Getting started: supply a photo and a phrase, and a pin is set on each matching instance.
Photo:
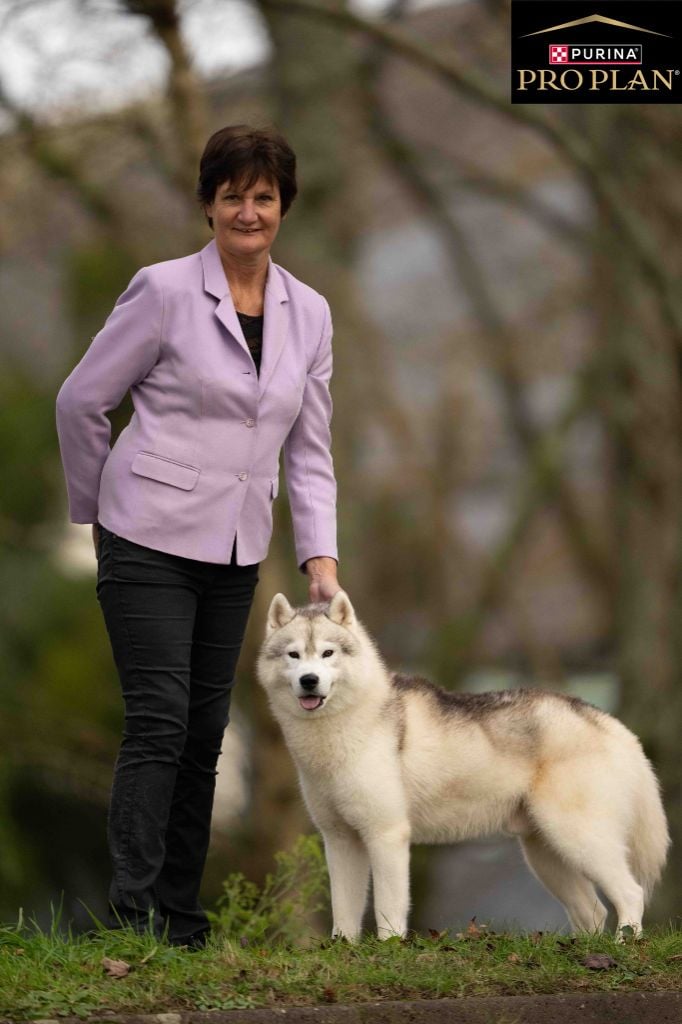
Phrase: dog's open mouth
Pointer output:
(311, 703)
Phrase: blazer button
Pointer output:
(243, 476)
(250, 423)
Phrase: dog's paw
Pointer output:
(339, 937)
(628, 933)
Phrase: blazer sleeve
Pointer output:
(119, 356)
(308, 464)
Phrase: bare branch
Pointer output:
(185, 91)
(455, 641)
(445, 65)
(501, 339)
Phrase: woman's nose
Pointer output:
(247, 212)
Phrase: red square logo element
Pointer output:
(558, 54)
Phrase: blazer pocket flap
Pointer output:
(274, 489)
(156, 467)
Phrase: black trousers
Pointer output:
(176, 627)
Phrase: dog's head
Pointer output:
(309, 660)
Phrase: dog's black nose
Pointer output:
(309, 681)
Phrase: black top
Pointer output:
(252, 326)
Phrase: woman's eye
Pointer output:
(327, 654)
(294, 654)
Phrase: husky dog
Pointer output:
(386, 760)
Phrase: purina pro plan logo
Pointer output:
(587, 51)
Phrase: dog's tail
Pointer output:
(649, 838)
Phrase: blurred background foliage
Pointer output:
(504, 284)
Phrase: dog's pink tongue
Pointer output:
(310, 703)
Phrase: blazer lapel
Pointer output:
(275, 324)
(275, 310)
(216, 284)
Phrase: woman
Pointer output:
(181, 506)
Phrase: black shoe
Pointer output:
(193, 942)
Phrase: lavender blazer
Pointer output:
(198, 463)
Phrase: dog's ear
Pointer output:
(341, 610)
(279, 613)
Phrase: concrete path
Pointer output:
(571, 1008)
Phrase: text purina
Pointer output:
(626, 54)
(594, 79)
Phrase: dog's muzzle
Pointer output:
(311, 701)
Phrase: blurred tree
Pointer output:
(640, 398)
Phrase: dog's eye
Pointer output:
(294, 654)
(327, 654)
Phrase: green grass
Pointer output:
(46, 975)
(262, 954)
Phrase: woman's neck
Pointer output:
(245, 276)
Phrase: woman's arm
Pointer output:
(120, 355)
(309, 472)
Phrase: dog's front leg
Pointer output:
(389, 853)
(348, 864)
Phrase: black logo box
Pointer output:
(659, 51)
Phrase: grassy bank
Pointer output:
(262, 954)
(44, 975)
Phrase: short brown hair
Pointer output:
(241, 154)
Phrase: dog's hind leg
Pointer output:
(573, 889)
(348, 863)
(610, 871)
(590, 843)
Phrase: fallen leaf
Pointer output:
(474, 931)
(437, 935)
(115, 968)
(598, 961)
(514, 958)
(329, 995)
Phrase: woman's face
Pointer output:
(246, 222)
